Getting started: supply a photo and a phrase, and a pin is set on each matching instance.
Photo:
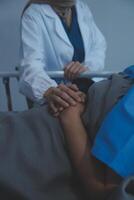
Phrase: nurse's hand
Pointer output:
(56, 110)
(73, 70)
(62, 97)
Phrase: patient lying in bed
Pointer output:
(36, 149)
(99, 179)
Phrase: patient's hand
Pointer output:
(56, 108)
(71, 114)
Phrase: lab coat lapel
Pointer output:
(60, 31)
(59, 37)
(58, 27)
(82, 20)
(84, 28)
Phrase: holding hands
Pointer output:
(65, 96)
(72, 114)
(62, 97)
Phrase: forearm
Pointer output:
(79, 148)
(34, 83)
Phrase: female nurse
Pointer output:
(58, 35)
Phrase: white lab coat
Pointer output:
(46, 46)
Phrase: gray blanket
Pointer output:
(34, 162)
(102, 96)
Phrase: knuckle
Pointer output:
(63, 95)
(61, 85)
(57, 99)
(60, 93)
(71, 71)
(74, 85)
(74, 72)
(67, 90)
(69, 99)
(67, 68)
(56, 91)
(77, 63)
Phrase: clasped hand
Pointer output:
(62, 97)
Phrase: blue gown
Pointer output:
(114, 143)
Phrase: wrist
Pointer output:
(72, 120)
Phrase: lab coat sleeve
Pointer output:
(96, 58)
(34, 81)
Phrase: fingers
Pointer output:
(61, 100)
(68, 65)
(66, 70)
(72, 95)
(64, 96)
(72, 86)
(83, 69)
(61, 97)
(55, 110)
(82, 96)
(73, 70)
(70, 70)
(78, 69)
(67, 95)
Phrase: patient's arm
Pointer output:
(79, 147)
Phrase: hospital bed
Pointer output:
(125, 191)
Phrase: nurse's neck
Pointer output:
(65, 14)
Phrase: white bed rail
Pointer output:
(60, 74)
(6, 76)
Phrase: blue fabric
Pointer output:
(75, 37)
(129, 71)
(114, 143)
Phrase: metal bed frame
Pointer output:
(7, 76)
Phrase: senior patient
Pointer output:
(102, 168)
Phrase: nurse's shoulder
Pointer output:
(35, 10)
(84, 7)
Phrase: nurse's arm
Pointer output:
(34, 80)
